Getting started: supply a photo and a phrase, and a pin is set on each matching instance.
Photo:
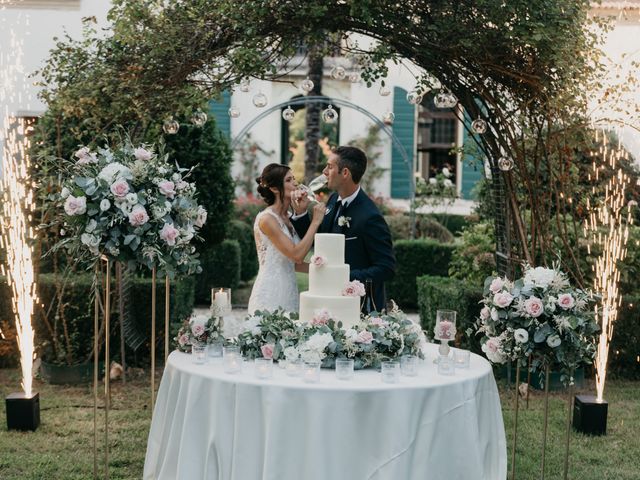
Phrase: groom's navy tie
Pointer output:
(335, 228)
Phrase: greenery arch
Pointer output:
(524, 66)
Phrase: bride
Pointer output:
(280, 251)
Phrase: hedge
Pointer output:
(243, 233)
(79, 313)
(413, 259)
(436, 293)
(220, 268)
(425, 227)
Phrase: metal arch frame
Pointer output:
(303, 100)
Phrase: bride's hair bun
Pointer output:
(272, 177)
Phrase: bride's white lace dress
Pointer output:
(275, 285)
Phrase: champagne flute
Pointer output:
(314, 186)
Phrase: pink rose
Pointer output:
(378, 322)
(75, 205)
(318, 260)
(197, 329)
(502, 299)
(321, 317)
(181, 185)
(85, 157)
(267, 350)
(201, 217)
(445, 330)
(496, 285)
(493, 345)
(167, 188)
(533, 306)
(138, 216)
(485, 313)
(142, 154)
(183, 340)
(120, 188)
(169, 233)
(364, 337)
(566, 301)
(353, 289)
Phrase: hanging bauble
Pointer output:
(234, 112)
(440, 100)
(329, 115)
(306, 85)
(354, 77)
(170, 126)
(288, 114)
(414, 97)
(452, 100)
(245, 85)
(479, 126)
(199, 118)
(388, 118)
(384, 91)
(338, 73)
(260, 100)
(505, 164)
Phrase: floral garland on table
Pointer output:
(133, 206)
(280, 335)
(539, 316)
(199, 329)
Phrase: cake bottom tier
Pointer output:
(344, 309)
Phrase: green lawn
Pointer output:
(62, 447)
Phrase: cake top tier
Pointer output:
(331, 247)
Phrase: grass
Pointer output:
(62, 447)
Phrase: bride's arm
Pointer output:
(296, 252)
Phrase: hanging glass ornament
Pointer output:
(354, 77)
(384, 91)
(245, 85)
(260, 100)
(288, 114)
(234, 112)
(329, 115)
(199, 118)
(451, 101)
(505, 164)
(479, 126)
(414, 97)
(306, 85)
(440, 100)
(170, 126)
(338, 73)
(388, 118)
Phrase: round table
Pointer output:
(211, 425)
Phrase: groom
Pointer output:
(350, 211)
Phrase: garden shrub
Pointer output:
(220, 268)
(413, 259)
(426, 227)
(438, 293)
(473, 259)
(243, 233)
(625, 344)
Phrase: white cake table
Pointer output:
(211, 425)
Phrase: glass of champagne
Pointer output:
(314, 186)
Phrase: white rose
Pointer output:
(105, 205)
(553, 341)
(539, 276)
(446, 172)
(494, 315)
(132, 198)
(65, 193)
(447, 183)
(89, 240)
(201, 217)
(433, 181)
(142, 154)
(521, 335)
(115, 171)
(291, 353)
(75, 205)
(91, 226)
(485, 313)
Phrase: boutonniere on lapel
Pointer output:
(342, 221)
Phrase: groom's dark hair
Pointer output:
(353, 159)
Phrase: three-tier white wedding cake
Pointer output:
(328, 278)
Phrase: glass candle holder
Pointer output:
(461, 358)
(220, 301)
(446, 366)
(198, 354)
(409, 365)
(445, 331)
(390, 371)
(214, 350)
(293, 368)
(311, 372)
(263, 368)
(232, 359)
(344, 368)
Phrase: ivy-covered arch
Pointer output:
(521, 65)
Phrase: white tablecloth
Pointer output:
(211, 425)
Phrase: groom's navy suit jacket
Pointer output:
(368, 247)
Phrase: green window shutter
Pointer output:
(472, 167)
(403, 129)
(220, 110)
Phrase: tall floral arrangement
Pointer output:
(539, 316)
(130, 204)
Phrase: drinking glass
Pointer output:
(314, 186)
(293, 368)
(461, 358)
(263, 368)
(344, 368)
(390, 371)
(232, 359)
(311, 372)
(446, 366)
(214, 349)
(199, 353)
(409, 365)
